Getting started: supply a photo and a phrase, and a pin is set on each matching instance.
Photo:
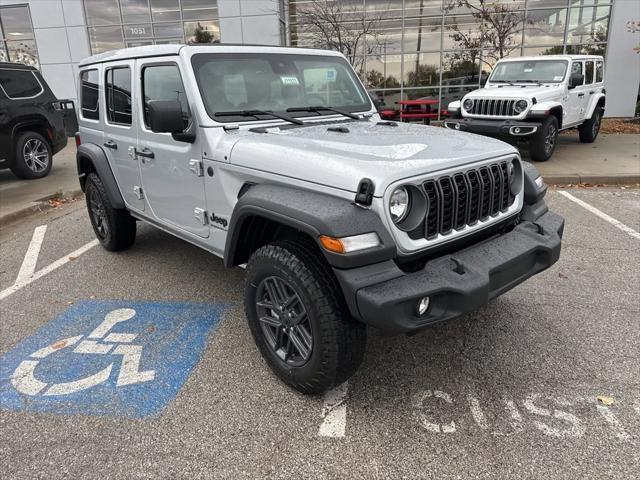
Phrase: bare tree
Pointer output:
(334, 26)
(499, 30)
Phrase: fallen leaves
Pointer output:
(618, 125)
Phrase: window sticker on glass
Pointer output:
(331, 75)
(557, 78)
(290, 80)
(528, 70)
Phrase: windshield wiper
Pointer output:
(529, 81)
(319, 108)
(255, 113)
(502, 81)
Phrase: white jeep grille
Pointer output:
(493, 107)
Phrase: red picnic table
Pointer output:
(418, 110)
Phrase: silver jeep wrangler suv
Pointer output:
(275, 158)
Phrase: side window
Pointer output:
(118, 95)
(576, 67)
(599, 71)
(89, 95)
(163, 82)
(19, 84)
(588, 72)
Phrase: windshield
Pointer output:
(249, 82)
(542, 71)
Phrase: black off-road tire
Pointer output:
(114, 228)
(543, 143)
(339, 342)
(31, 169)
(589, 130)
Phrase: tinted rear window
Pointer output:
(19, 83)
(89, 94)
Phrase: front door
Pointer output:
(173, 188)
(576, 99)
(120, 134)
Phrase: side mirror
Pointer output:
(575, 80)
(165, 116)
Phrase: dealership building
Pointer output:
(412, 48)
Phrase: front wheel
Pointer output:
(543, 143)
(114, 228)
(33, 156)
(589, 130)
(298, 318)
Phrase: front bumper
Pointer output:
(498, 128)
(456, 283)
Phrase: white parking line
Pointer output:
(31, 257)
(616, 223)
(46, 270)
(334, 412)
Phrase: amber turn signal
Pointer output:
(332, 244)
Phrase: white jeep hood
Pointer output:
(381, 153)
(518, 91)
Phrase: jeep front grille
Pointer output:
(463, 199)
(493, 107)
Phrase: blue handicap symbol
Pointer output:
(107, 358)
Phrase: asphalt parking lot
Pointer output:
(508, 392)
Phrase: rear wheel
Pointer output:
(298, 318)
(589, 130)
(33, 156)
(543, 143)
(114, 228)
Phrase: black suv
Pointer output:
(32, 121)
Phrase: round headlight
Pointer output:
(399, 204)
(520, 106)
(467, 104)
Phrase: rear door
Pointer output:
(120, 134)
(171, 170)
(576, 97)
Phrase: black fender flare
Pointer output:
(314, 214)
(95, 156)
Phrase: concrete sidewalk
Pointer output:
(610, 160)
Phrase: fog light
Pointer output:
(457, 127)
(423, 305)
(516, 130)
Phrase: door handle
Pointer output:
(591, 92)
(145, 152)
(111, 144)
(581, 94)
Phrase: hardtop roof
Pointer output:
(17, 66)
(148, 51)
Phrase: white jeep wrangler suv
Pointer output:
(275, 158)
(534, 98)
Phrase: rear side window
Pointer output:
(588, 72)
(163, 82)
(118, 95)
(19, 84)
(89, 95)
(599, 71)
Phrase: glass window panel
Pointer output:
(545, 27)
(163, 82)
(19, 84)
(135, 11)
(89, 95)
(118, 95)
(199, 9)
(453, 90)
(388, 98)
(576, 67)
(390, 36)
(382, 74)
(554, 50)
(422, 33)
(422, 70)
(17, 23)
(461, 67)
(23, 51)
(202, 32)
(169, 41)
(422, 94)
(102, 12)
(587, 49)
(3, 53)
(547, 3)
(168, 30)
(462, 31)
(142, 30)
(488, 59)
(588, 25)
(105, 38)
(588, 72)
(417, 8)
(165, 10)
(599, 71)
(138, 43)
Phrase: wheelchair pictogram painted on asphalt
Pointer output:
(113, 358)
